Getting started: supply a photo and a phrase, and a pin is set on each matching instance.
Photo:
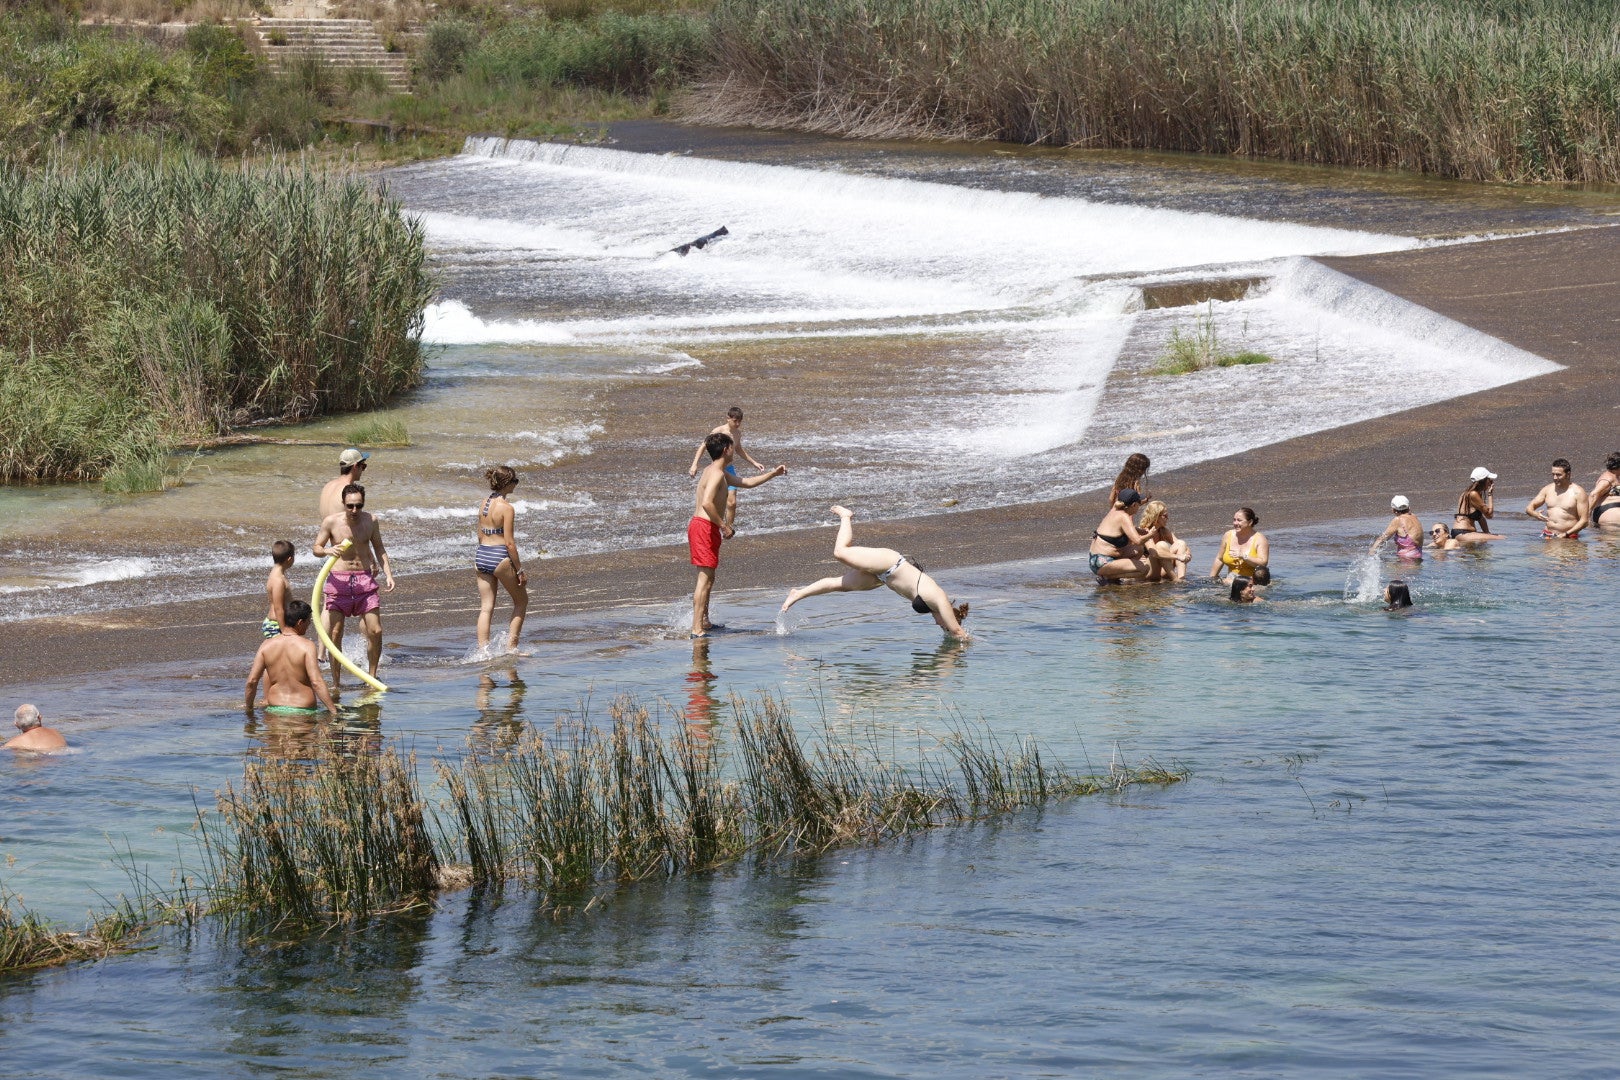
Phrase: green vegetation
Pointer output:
(1517, 90)
(379, 431)
(27, 942)
(587, 808)
(1201, 349)
(148, 304)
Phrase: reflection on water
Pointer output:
(1395, 855)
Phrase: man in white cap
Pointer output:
(1564, 502)
(351, 467)
(1405, 528)
(35, 735)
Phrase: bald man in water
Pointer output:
(35, 735)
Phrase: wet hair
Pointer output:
(1561, 463)
(1153, 512)
(734, 413)
(500, 476)
(352, 489)
(1399, 595)
(960, 611)
(27, 717)
(1238, 585)
(281, 552)
(717, 445)
(295, 612)
(1612, 462)
(1252, 517)
(1262, 575)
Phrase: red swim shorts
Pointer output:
(351, 592)
(703, 537)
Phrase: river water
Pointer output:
(1396, 854)
(1397, 851)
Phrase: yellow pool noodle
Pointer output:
(320, 623)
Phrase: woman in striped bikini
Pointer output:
(497, 556)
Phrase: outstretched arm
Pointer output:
(697, 457)
(1387, 533)
(755, 481)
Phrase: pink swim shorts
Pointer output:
(351, 592)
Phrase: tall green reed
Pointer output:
(1501, 90)
(146, 303)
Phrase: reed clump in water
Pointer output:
(379, 431)
(336, 838)
(148, 303)
(583, 808)
(28, 942)
(1200, 349)
(1516, 90)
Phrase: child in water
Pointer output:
(276, 587)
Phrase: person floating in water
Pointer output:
(1397, 595)
(1565, 502)
(1405, 528)
(351, 588)
(732, 428)
(496, 557)
(1242, 591)
(870, 567)
(708, 526)
(35, 735)
(276, 587)
(287, 664)
(1244, 549)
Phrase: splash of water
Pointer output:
(1365, 582)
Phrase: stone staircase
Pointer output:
(343, 43)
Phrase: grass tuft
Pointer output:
(1200, 349)
(379, 431)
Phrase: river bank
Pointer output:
(1554, 295)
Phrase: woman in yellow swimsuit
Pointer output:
(1244, 550)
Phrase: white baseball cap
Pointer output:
(352, 457)
(1399, 502)
(1481, 473)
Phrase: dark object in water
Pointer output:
(701, 242)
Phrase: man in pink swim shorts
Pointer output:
(351, 589)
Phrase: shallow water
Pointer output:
(1397, 854)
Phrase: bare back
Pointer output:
(287, 663)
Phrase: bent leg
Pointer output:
(853, 581)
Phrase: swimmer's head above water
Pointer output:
(1397, 595)
(27, 717)
(1242, 590)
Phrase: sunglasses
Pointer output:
(354, 506)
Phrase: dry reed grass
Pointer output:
(1513, 90)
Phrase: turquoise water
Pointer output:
(1397, 854)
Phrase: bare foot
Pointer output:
(843, 511)
(792, 598)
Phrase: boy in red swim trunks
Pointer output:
(351, 589)
(707, 528)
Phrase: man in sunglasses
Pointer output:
(351, 588)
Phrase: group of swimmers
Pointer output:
(1133, 543)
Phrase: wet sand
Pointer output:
(1556, 295)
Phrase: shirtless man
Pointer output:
(351, 467)
(35, 735)
(1565, 504)
(733, 428)
(871, 567)
(287, 664)
(351, 589)
(708, 526)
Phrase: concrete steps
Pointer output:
(343, 43)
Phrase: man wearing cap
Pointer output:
(351, 467)
(1560, 506)
(1405, 528)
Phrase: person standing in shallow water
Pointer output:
(871, 567)
(1605, 497)
(1405, 528)
(707, 528)
(287, 664)
(1566, 506)
(732, 428)
(496, 557)
(351, 588)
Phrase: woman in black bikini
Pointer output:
(496, 558)
(1606, 493)
(1117, 548)
(1475, 508)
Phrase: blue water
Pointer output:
(1397, 854)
